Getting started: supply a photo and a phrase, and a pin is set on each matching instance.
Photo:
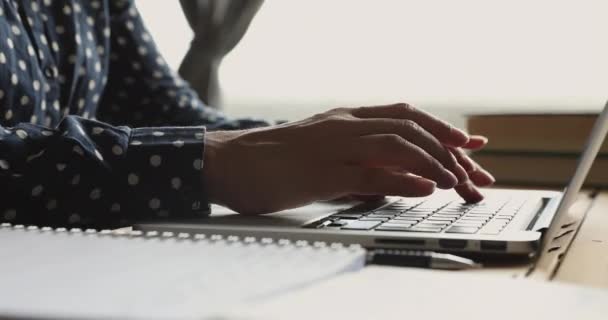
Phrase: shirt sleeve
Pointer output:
(87, 173)
(141, 88)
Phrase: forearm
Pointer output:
(88, 173)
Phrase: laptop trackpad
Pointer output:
(287, 218)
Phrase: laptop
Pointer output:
(506, 222)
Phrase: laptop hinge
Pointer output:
(544, 214)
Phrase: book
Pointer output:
(85, 274)
(538, 169)
(539, 133)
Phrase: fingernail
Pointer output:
(463, 134)
(482, 138)
(489, 176)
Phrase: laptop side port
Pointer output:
(453, 243)
(494, 245)
(393, 241)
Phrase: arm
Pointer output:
(90, 174)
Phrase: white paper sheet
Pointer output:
(404, 293)
(86, 276)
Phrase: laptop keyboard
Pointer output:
(489, 217)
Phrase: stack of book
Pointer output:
(537, 149)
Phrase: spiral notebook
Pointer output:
(85, 274)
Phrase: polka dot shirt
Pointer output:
(95, 129)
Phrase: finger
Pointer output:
(380, 181)
(414, 133)
(469, 192)
(464, 160)
(479, 176)
(445, 132)
(476, 142)
(392, 151)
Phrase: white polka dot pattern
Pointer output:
(90, 147)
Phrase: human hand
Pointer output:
(478, 177)
(389, 150)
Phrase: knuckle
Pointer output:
(392, 141)
(339, 110)
(429, 162)
(410, 125)
(334, 120)
(323, 115)
(405, 106)
(449, 157)
(362, 108)
(447, 126)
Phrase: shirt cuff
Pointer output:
(163, 172)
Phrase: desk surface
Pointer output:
(585, 262)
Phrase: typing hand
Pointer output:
(478, 177)
(388, 150)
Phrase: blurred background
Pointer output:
(449, 57)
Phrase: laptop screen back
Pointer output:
(594, 142)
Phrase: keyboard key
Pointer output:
(448, 213)
(458, 229)
(422, 210)
(361, 225)
(337, 223)
(400, 206)
(401, 225)
(479, 215)
(348, 215)
(388, 211)
(381, 215)
(402, 222)
(393, 227)
(485, 209)
(482, 218)
(406, 218)
(433, 224)
(465, 218)
(453, 210)
(445, 216)
(425, 229)
(415, 214)
(508, 213)
(368, 218)
(433, 218)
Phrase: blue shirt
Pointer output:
(95, 129)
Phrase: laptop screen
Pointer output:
(594, 142)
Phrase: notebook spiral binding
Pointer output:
(186, 237)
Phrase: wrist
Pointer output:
(215, 164)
